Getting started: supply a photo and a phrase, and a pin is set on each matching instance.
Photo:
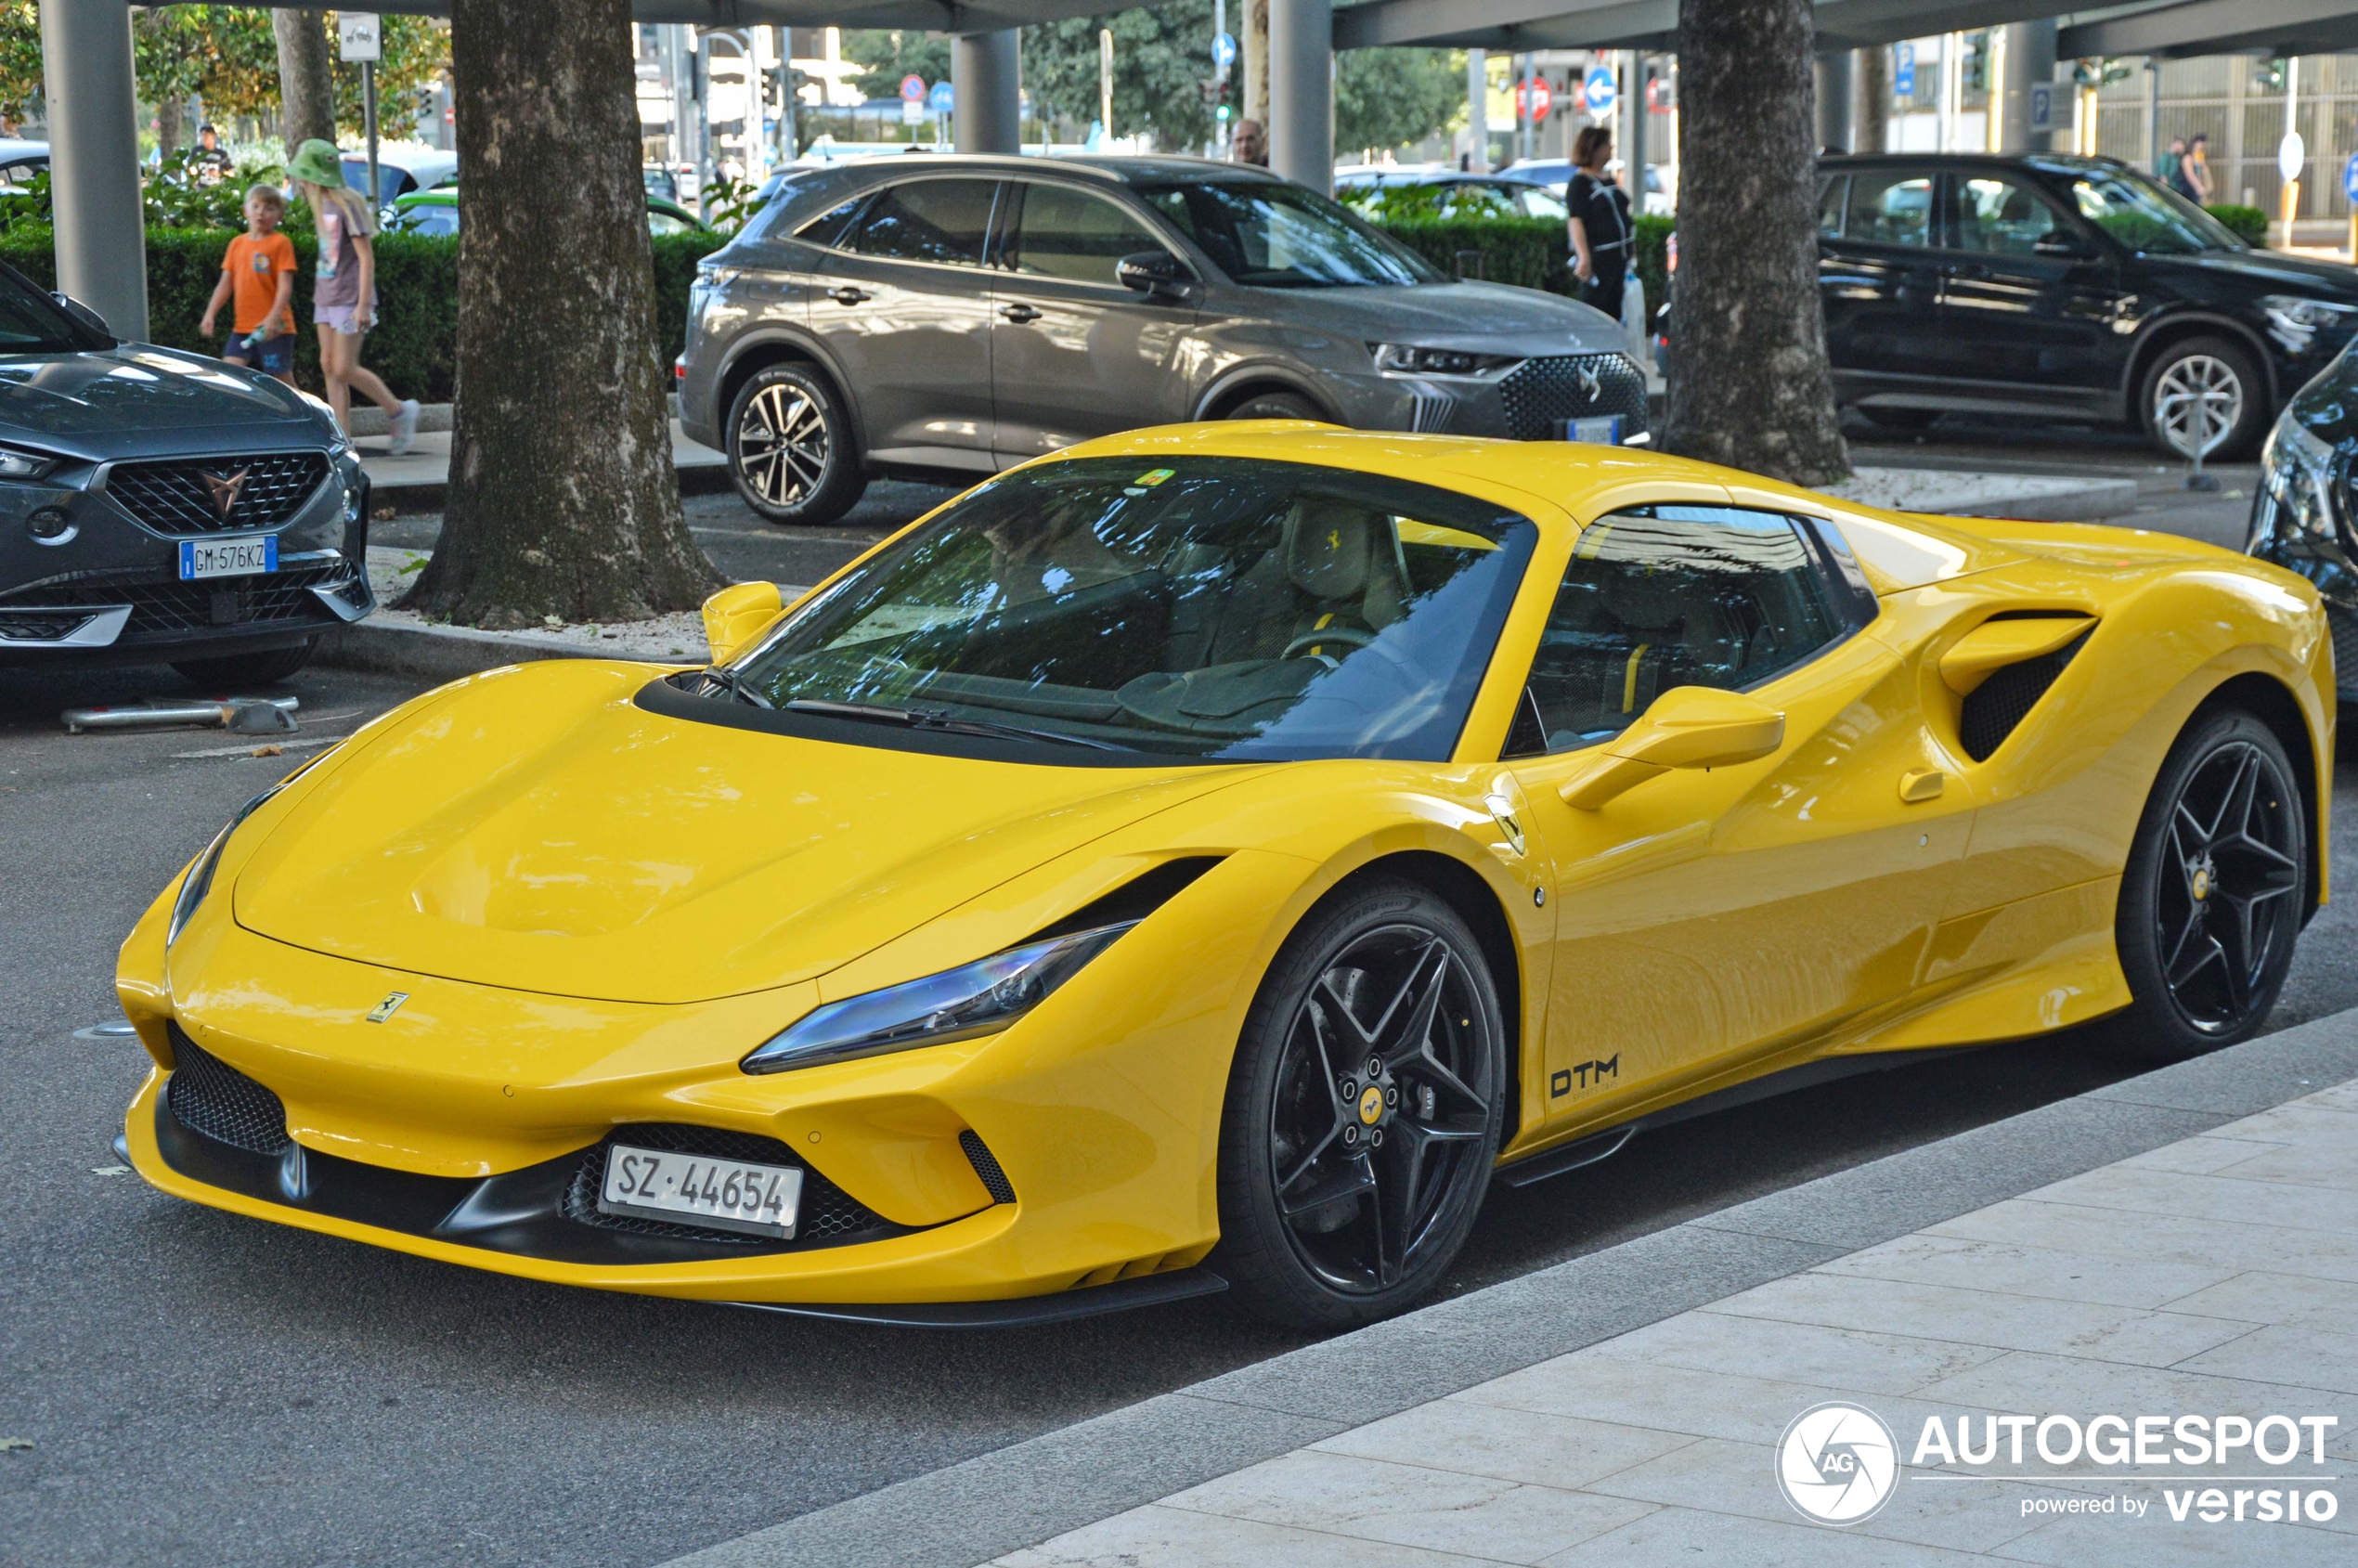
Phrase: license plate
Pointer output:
(244, 557)
(723, 1194)
(1604, 430)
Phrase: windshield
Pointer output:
(32, 323)
(1273, 236)
(2146, 216)
(1213, 607)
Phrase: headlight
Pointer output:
(981, 998)
(2295, 322)
(1402, 358)
(199, 882)
(16, 464)
(2295, 472)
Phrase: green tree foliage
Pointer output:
(1161, 58)
(20, 57)
(888, 56)
(1391, 97)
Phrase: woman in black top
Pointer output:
(1600, 222)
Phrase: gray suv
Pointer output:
(948, 317)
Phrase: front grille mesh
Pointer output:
(2345, 629)
(210, 1097)
(174, 497)
(1541, 392)
(1994, 707)
(827, 1214)
(986, 1164)
(165, 607)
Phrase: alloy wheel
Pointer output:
(781, 443)
(2225, 906)
(1382, 1106)
(2197, 403)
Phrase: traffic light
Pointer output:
(2268, 76)
(1975, 63)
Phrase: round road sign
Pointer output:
(941, 99)
(912, 89)
(1534, 100)
(1599, 90)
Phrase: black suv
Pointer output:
(2066, 286)
(2305, 516)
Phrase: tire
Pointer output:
(244, 669)
(1396, 1180)
(810, 480)
(1277, 406)
(1898, 419)
(2215, 890)
(2205, 371)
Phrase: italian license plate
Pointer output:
(1604, 430)
(242, 557)
(723, 1194)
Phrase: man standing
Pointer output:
(212, 162)
(2171, 168)
(1252, 145)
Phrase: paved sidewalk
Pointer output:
(2218, 1275)
(417, 480)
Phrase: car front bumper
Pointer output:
(1536, 399)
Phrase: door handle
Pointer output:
(847, 294)
(1019, 313)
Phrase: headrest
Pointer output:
(1329, 546)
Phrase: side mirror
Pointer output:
(1150, 272)
(733, 617)
(2062, 247)
(1687, 727)
(82, 313)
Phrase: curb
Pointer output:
(1028, 1492)
(438, 653)
(2100, 500)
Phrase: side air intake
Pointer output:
(986, 1164)
(2005, 697)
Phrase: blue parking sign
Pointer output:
(1903, 72)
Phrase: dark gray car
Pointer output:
(948, 317)
(159, 507)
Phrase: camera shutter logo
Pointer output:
(1837, 1464)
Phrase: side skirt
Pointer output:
(1022, 1311)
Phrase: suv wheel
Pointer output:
(790, 447)
(2206, 384)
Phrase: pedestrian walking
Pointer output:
(1600, 222)
(1251, 144)
(210, 162)
(257, 272)
(2197, 168)
(344, 290)
(2171, 168)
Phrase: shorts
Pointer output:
(338, 317)
(275, 356)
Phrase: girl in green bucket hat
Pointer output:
(344, 290)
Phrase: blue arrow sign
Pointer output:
(941, 98)
(1599, 89)
(1903, 73)
(2350, 177)
(1223, 49)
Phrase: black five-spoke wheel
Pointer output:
(2216, 890)
(1365, 1113)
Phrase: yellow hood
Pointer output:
(541, 832)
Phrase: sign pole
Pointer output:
(368, 120)
(359, 41)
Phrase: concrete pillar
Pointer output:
(1629, 125)
(1478, 108)
(1871, 99)
(1832, 73)
(2029, 56)
(93, 160)
(983, 83)
(1302, 90)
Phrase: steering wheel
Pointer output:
(1350, 636)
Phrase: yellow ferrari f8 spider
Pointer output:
(1210, 857)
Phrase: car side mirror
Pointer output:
(2062, 247)
(735, 616)
(1687, 727)
(82, 313)
(1151, 272)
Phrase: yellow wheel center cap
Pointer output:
(1371, 1105)
(2202, 884)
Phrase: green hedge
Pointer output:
(2250, 224)
(1532, 253)
(413, 345)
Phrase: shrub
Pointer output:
(2250, 224)
(1532, 253)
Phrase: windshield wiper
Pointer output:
(731, 683)
(936, 718)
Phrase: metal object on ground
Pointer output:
(244, 716)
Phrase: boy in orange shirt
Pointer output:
(259, 269)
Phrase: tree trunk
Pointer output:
(307, 94)
(1254, 47)
(1871, 111)
(170, 119)
(1749, 383)
(563, 497)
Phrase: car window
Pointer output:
(1466, 199)
(828, 228)
(1270, 235)
(938, 220)
(1831, 195)
(1538, 202)
(32, 323)
(660, 222)
(1075, 236)
(2001, 217)
(429, 217)
(1671, 596)
(2144, 216)
(1218, 608)
(1889, 208)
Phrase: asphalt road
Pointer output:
(200, 1389)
